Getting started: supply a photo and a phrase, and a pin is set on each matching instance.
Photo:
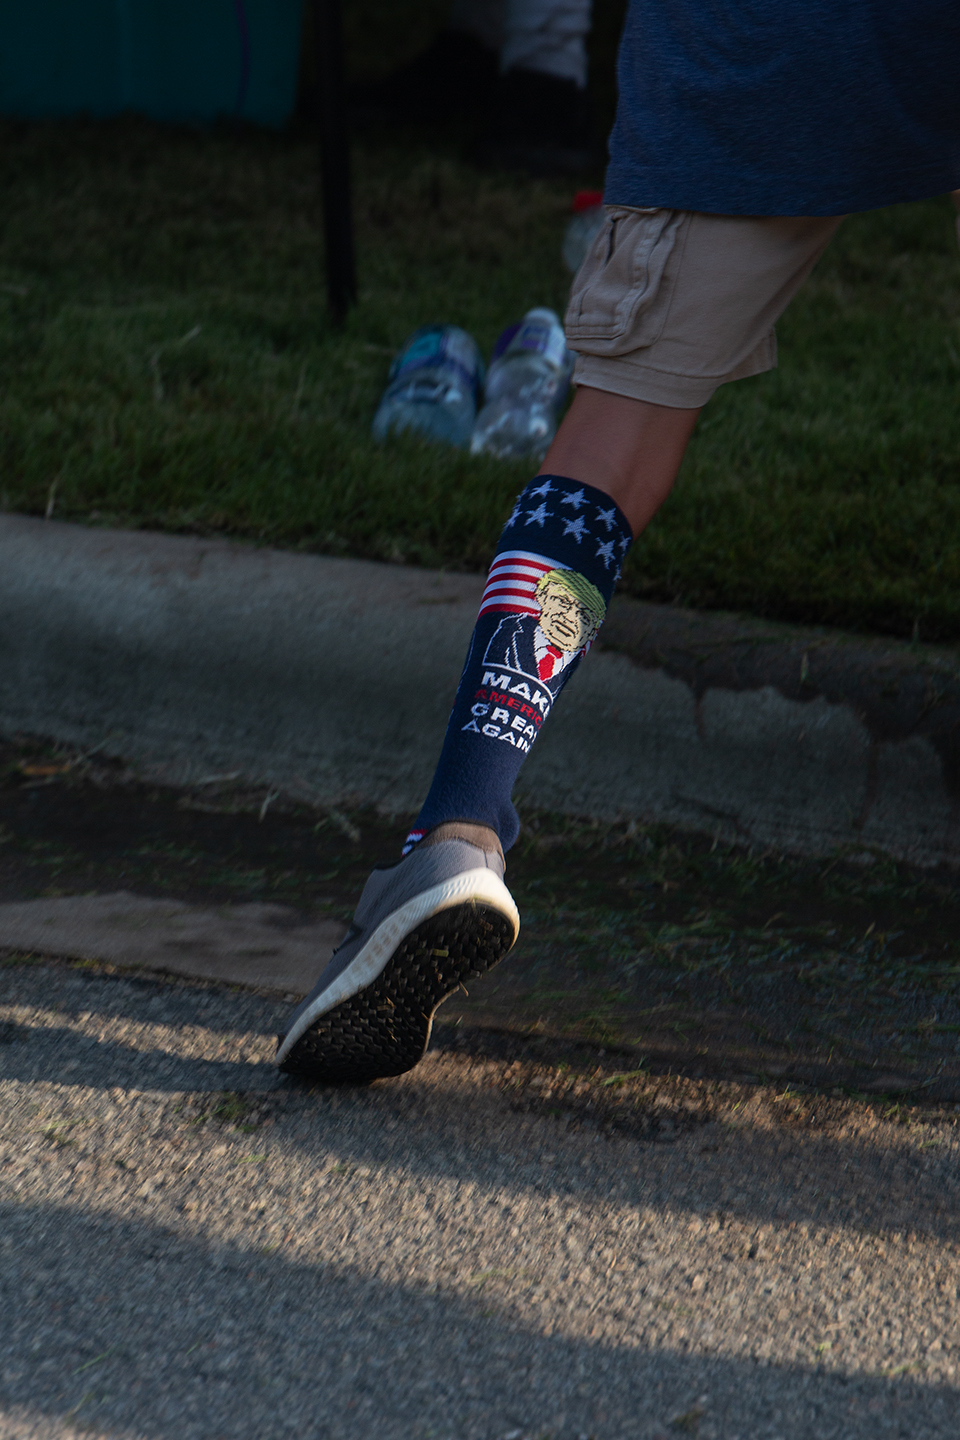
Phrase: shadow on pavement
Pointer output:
(123, 1327)
(713, 1150)
(62, 1056)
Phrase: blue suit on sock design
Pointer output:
(551, 580)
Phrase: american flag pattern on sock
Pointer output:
(512, 582)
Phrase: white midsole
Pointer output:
(480, 885)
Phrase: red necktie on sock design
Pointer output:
(548, 662)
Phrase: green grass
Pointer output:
(166, 361)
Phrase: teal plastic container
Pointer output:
(186, 61)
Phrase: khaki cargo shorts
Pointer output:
(670, 304)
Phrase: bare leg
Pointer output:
(630, 449)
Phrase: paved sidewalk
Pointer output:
(193, 1247)
(332, 679)
(259, 945)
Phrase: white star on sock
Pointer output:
(575, 528)
(605, 553)
(608, 517)
(514, 516)
(539, 515)
(543, 490)
(575, 499)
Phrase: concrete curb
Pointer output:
(333, 679)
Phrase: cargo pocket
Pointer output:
(616, 304)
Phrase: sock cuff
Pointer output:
(576, 525)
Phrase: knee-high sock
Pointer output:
(552, 578)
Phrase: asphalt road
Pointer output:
(494, 1246)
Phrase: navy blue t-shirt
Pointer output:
(786, 107)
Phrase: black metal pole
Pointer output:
(334, 160)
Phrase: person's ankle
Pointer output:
(484, 837)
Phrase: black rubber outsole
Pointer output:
(384, 1030)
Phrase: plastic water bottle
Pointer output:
(433, 386)
(526, 386)
(588, 216)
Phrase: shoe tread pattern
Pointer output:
(384, 1029)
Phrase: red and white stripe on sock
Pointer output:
(513, 580)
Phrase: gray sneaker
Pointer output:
(436, 918)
